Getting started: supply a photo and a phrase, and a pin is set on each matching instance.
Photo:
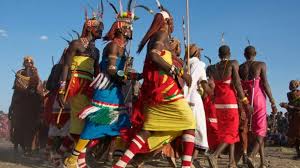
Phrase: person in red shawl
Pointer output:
(227, 88)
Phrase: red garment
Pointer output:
(211, 123)
(80, 86)
(227, 111)
(51, 112)
(154, 89)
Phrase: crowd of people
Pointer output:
(181, 108)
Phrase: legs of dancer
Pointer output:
(188, 140)
(136, 145)
(71, 161)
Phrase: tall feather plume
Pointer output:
(208, 58)
(71, 36)
(102, 8)
(121, 6)
(86, 14)
(94, 12)
(68, 41)
(159, 5)
(113, 6)
(222, 39)
(248, 41)
(129, 5)
(145, 7)
(76, 32)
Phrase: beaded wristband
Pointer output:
(245, 101)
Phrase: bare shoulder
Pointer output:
(158, 37)
(234, 63)
(260, 63)
(111, 47)
(209, 68)
(243, 65)
(75, 44)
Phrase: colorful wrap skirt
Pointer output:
(106, 115)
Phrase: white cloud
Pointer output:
(43, 37)
(3, 33)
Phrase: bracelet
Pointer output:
(245, 101)
(112, 67)
(62, 83)
(112, 57)
(181, 72)
(173, 70)
(291, 107)
(272, 101)
(62, 92)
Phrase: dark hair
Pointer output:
(224, 50)
(249, 51)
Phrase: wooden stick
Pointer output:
(252, 104)
(65, 99)
(188, 36)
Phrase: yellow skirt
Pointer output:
(173, 116)
(167, 121)
(77, 104)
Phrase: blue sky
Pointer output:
(34, 27)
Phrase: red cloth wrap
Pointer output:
(51, 116)
(212, 127)
(228, 118)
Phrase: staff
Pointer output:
(65, 99)
(188, 36)
(252, 103)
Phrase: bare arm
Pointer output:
(266, 83)
(96, 64)
(236, 80)
(112, 56)
(70, 52)
(157, 44)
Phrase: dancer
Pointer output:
(197, 69)
(227, 84)
(293, 107)
(80, 65)
(166, 112)
(254, 79)
(107, 114)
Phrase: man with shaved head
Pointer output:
(255, 84)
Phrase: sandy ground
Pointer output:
(278, 157)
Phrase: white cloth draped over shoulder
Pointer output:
(194, 98)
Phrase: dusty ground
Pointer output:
(278, 157)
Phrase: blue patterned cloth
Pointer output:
(107, 112)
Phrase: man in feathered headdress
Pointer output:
(161, 108)
(107, 114)
(80, 66)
